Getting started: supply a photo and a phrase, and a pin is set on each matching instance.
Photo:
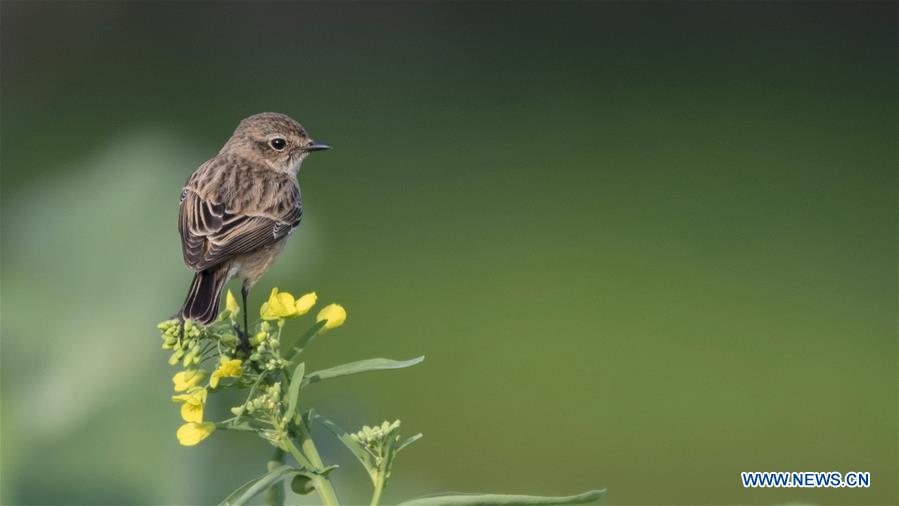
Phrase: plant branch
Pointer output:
(379, 488)
(313, 462)
(322, 483)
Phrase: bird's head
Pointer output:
(275, 139)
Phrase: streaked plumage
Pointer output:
(238, 208)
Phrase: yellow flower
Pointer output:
(333, 314)
(283, 305)
(192, 412)
(227, 369)
(187, 379)
(279, 305)
(231, 304)
(194, 401)
(305, 303)
(192, 433)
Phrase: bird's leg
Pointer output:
(244, 335)
(244, 291)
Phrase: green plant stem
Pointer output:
(296, 454)
(322, 483)
(274, 496)
(229, 426)
(325, 490)
(379, 489)
(310, 459)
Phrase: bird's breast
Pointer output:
(251, 266)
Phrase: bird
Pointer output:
(238, 209)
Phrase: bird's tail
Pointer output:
(202, 302)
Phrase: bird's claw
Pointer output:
(243, 344)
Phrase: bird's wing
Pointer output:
(214, 230)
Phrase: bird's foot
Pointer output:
(243, 344)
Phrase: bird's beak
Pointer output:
(317, 146)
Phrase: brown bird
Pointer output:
(239, 208)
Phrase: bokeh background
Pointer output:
(644, 246)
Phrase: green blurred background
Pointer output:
(644, 246)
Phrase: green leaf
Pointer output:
(373, 364)
(352, 445)
(245, 426)
(409, 441)
(293, 393)
(389, 453)
(253, 487)
(228, 501)
(457, 499)
(306, 338)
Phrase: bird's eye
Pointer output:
(278, 144)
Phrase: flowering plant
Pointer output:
(267, 366)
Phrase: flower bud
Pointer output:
(231, 305)
(176, 356)
(191, 357)
(258, 338)
(166, 325)
(229, 340)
